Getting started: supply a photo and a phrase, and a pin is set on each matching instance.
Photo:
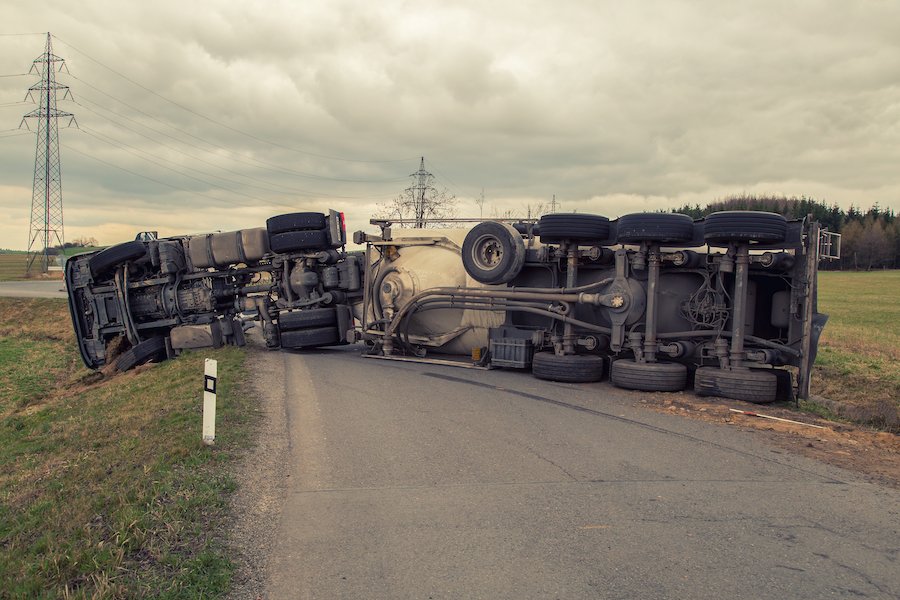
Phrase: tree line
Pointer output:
(869, 239)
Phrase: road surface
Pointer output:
(54, 288)
(418, 481)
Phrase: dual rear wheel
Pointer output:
(293, 232)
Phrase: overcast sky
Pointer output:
(236, 111)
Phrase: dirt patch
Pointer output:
(256, 505)
(875, 454)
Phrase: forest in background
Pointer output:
(869, 239)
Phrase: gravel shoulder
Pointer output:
(261, 476)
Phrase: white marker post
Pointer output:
(209, 401)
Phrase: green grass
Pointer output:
(859, 351)
(106, 490)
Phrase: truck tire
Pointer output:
(570, 368)
(150, 349)
(304, 319)
(493, 253)
(576, 227)
(754, 386)
(655, 227)
(113, 256)
(310, 338)
(238, 338)
(648, 377)
(300, 221)
(297, 240)
(744, 226)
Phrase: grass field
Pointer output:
(105, 488)
(12, 264)
(859, 352)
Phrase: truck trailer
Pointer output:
(658, 302)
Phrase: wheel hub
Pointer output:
(488, 252)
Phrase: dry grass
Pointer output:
(858, 364)
(12, 266)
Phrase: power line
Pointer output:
(215, 145)
(169, 185)
(224, 125)
(11, 135)
(133, 150)
(452, 185)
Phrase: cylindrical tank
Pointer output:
(228, 248)
(414, 265)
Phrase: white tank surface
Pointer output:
(424, 259)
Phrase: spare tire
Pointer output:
(297, 240)
(744, 226)
(493, 253)
(113, 256)
(295, 222)
(577, 227)
(655, 227)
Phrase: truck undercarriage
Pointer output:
(654, 301)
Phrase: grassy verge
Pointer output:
(105, 488)
(858, 363)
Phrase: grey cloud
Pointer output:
(604, 104)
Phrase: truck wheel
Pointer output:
(310, 338)
(304, 319)
(300, 221)
(757, 386)
(238, 338)
(113, 256)
(493, 253)
(648, 377)
(151, 349)
(655, 227)
(784, 388)
(297, 240)
(744, 226)
(577, 227)
(571, 368)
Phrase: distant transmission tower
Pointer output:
(421, 189)
(46, 227)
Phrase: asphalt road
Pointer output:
(417, 481)
(33, 289)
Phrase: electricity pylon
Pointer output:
(46, 227)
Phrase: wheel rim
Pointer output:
(487, 252)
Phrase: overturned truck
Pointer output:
(653, 301)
